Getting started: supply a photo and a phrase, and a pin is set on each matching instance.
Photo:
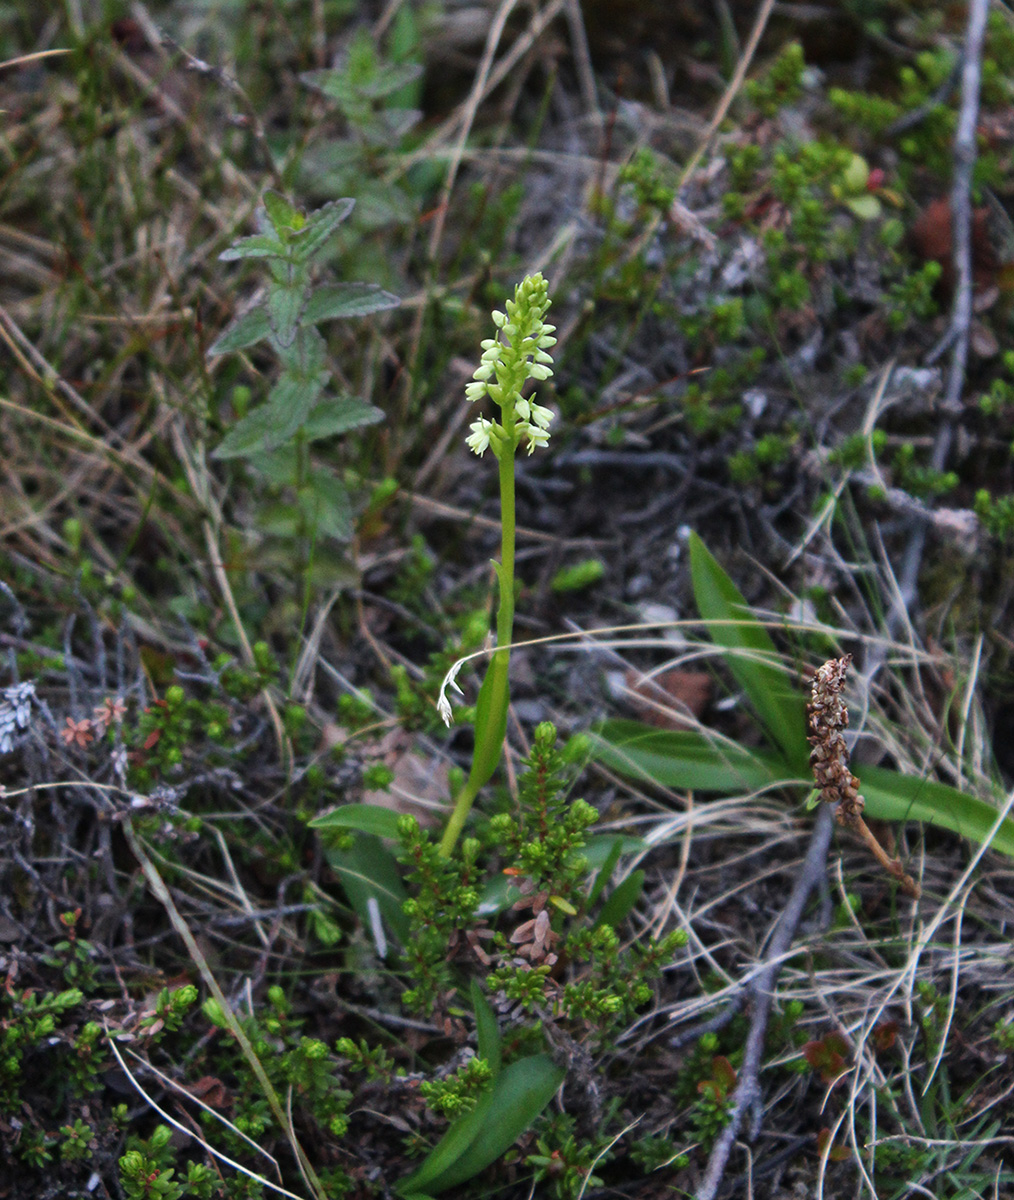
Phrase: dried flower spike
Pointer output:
(828, 718)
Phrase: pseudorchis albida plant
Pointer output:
(518, 352)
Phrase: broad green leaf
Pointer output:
(367, 818)
(621, 900)
(282, 214)
(260, 245)
(327, 506)
(487, 1030)
(685, 758)
(338, 414)
(459, 1136)
(891, 796)
(245, 331)
(334, 301)
(369, 871)
(319, 226)
(753, 659)
(519, 1094)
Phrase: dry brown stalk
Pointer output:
(828, 719)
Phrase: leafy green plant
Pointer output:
(298, 410)
(695, 759)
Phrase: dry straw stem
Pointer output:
(828, 718)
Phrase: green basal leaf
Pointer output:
(752, 657)
(519, 1094)
(599, 848)
(370, 872)
(621, 900)
(891, 796)
(487, 1030)
(339, 414)
(605, 872)
(688, 759)
(335, 301)
(259, 245)
(246, 330)
(367, 818)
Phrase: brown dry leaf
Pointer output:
(211, 1090)
(673, 699)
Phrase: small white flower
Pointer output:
(541, 416)
(475, 391)
(536, 437)
(522, 410)
(478, 440)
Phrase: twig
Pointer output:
(747, 1094)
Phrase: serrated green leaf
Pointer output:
(282, 214)
(339, 414)
(752, 657)
(253, 434)
(621, 900)
(320, 225)
(369, 871)
(336, 301)
(687, 759)
(367, 818)
(284, 306)
(259, 245)
(519, 1094)
(276, 421)
(327, 506)
(247, 329)
(305, 357)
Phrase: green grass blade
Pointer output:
(752, 657)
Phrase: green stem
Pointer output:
(489, 735)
